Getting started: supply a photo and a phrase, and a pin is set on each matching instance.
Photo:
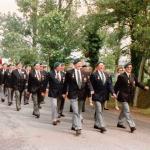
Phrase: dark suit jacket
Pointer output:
(19, 79)
(101, 90)
(72, 88)
(35, 85)
(1, 76)
(55, 86)
(44, 78)
(124, 87)
(8, 79)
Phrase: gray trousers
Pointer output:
(54, 114)
(2, 95)
(76, 118)
(35, 104)
(99, 121)
(80, 107)
(9, 94)
(125, 115)
(18, 96)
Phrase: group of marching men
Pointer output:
(76, 84)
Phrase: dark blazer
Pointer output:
(101, 90)
(55, 86)
(8, 79)
(125, 86)
(2, 76)
(44, 78)
(34, 85)
(19, 80)
(72, 88)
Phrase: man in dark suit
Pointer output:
(2, 88)
(26, 93)
(8, 84)
(45, 74)
(19, 79)
(76, 82)
(34, 87)
(102, 85)
(124, 89)
(55, 79)
(61, 100)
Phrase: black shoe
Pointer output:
(40, 107)
(132, 129)
(78, 132)
(26, 103)
(96, 127)
(54, 123)
(18, 109)
(121, 126)
(3, 100)
(72, 128)
(58, 121)
(36, 115)
(62, 115)
(106, 109)
(102, 129)
(59, 116)
(9, 103)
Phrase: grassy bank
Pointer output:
(142, 111)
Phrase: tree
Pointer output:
(58, 33)
(12, 41)
(29, 8)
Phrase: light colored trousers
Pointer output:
(125, 115)
(54, 113)
(9, 94)
(18, 96)
(35, 104)
(99, 121)
(2, 95)
(76, 118)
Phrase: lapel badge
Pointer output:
(128, 82)
(85, 79)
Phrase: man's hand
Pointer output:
(114, 96)
(64, 96)
(92, 92)
(43, 94)
(146, 88)
(91, 102)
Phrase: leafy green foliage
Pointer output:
(57, 35)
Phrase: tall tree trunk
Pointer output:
(141, 70)
(59, 4)
(34, 22)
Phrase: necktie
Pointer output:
(58, 77)
(129, 78)
(39, 75)
(79, 79)
(102, 77)
(19, 70)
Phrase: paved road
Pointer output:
(21, 131)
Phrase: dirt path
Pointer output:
(21, 131)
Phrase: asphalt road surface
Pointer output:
(22, 131)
